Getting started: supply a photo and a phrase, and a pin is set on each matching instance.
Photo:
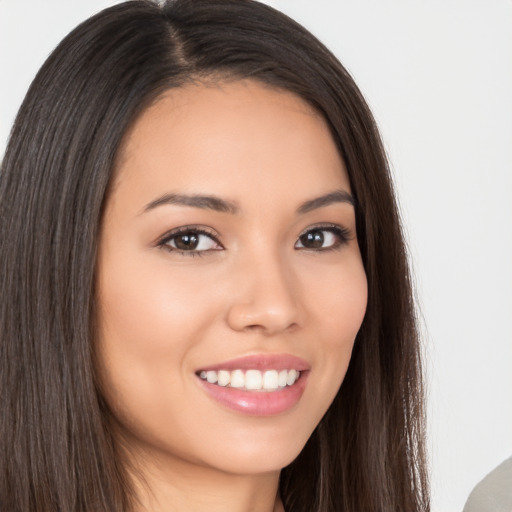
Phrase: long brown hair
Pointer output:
(57, 451)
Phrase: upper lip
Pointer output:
(261, 362)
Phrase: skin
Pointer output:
(163, 314)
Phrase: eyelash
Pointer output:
(168, 237)
(341, 233)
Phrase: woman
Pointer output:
(205, 294)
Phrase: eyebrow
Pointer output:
(217, 204)
(195, 201)
(338, 196)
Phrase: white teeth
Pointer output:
(237, 379)
(252, 380)
(292, 377)
(270, 380)
(211, 377)
(281, 380)
(223, 378)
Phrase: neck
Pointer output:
(182, 486)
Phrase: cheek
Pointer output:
(339, 301)
(148, 323)
(148, 311)
(347, 311)
(340, 306)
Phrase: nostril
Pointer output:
(247, 319)
(265, 302)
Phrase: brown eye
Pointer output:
(190, 241)
(323, 238)
(312, 239)
(186, 241)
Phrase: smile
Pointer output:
(259, 384)
(252, 380)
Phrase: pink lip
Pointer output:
(259, 403)
(261, 362)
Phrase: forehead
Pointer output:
(231, 138)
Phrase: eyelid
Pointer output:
(201, 230)
(326, 227)
(344, 234)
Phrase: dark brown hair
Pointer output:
(57, 450)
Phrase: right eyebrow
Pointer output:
(195, 201)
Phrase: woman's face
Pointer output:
(230, 282)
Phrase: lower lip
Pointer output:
(257, 403)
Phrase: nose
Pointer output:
(265, 298)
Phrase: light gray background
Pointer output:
(438, 76)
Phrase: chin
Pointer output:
(259, 450)
(271, 460)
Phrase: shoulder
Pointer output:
(494, 492)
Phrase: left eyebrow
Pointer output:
(338, 196)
